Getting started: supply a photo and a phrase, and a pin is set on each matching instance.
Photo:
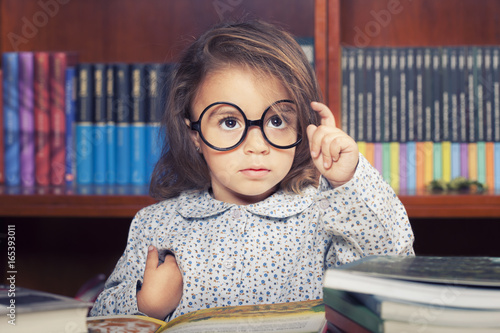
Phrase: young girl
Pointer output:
(259, 191)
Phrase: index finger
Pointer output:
(325, 113)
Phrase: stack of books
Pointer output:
(421, 114)
(414, 294)
(64, 121)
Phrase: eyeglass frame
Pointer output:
(196, 126)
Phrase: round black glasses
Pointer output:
(223, 125)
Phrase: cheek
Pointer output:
(222, 166)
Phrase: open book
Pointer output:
(306, 316)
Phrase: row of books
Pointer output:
(410, 167)
(89, 123)
(414, 294)
(421, 94)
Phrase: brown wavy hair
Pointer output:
(260, 46)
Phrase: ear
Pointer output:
(195, 136)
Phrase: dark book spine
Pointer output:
(386, 97)
(26, 118)
(496, 96)
(345, 89)
(378, 98)
(446, 94)
(488, 94)
(462, 94)
(84, 125)
(42, 118)
(436, 95)
(454, 93)
(360, 96)
(479, 93)
(60, 61)
(419, 95)
(99, 128)
(471, 96)
(138, 125)
(123, 117)
(428, 124)
(110, 125)
(369, 84)
(411, 104)
(351, 115)
(394, 95)
(403, 92)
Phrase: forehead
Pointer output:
(253, 92)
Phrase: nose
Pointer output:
(255, 141)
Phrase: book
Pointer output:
(27, 310)
(110, 125)
(99, 126)
(138, 125)
(27, 118)
(42, 118)
(123, 110)
(460, 282)
(446, 160)
(84, 125)
(10, 68)
(60, 61)
(70, 110)
(305, 316)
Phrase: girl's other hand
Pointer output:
(334, 153)
(161, 289)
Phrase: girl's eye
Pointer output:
(276, 122)
(229, 123)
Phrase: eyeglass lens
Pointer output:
(224, 125)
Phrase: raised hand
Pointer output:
(161, 289)
(334, 153)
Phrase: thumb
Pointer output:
(152, 259)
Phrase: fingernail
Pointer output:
(151, 248)
(314, 154)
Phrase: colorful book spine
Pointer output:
(378, 158)
(123, 110)
(70, 110)
(84, 125)
(490, 164)
(411, 166)
(99, 128)
(10, 68)
(446, 160)
(138, 124)
(472, 161)
(428, 162)
(60, 61)
(420, 165)
(362, 147)
(27, 118)
(386, 161)
(464, 159)
(394, 165)
(42, 118)
(497, 166)
(403, 167)
(110, 125)
(456, 161)
(481, 162)
(437, 150)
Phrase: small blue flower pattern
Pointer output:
(273, 251)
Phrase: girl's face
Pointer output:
(252, 171)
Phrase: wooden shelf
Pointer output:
(125, 202)
(92, 202)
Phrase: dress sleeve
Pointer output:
(365, 217)
(119, 294)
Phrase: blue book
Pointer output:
(411, 165)
(159, 80)
(455, 160)
(84, 125)
(99, 137)
(110, 125)
(11, 139)
(123, 110)
(70, 110)
(138, 124)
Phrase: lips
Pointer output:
(255, 172)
